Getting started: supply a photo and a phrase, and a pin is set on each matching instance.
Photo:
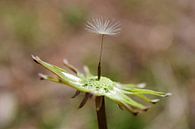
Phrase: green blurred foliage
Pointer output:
(74, 17)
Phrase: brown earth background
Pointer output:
(156, 46)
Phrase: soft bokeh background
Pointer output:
(156, 46)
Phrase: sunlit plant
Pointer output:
(99, 86)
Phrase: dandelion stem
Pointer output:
(100, 57)
(100, 110)
(101, 114)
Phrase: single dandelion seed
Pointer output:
(103, 26)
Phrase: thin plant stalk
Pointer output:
(101, 114)
(100, 101)
(100, 57)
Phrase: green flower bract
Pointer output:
(122, 94)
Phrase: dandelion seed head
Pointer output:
(103, 26)
(103, 87)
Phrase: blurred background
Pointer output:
(156, 46)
